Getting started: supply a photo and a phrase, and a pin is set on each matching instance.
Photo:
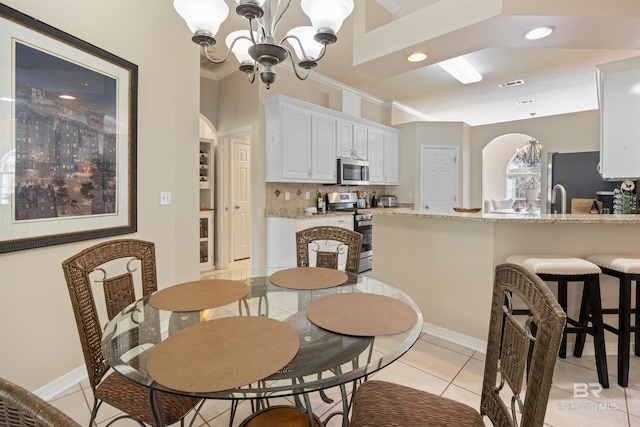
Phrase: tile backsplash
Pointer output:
(276, 193)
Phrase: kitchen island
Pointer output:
(446, 261)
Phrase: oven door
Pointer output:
(365, 227)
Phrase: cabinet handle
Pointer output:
(237, 207)
(309, 173)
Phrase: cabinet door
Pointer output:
(323, 145)
(360, 145)
(296, 144)
(376, 156)
(344, 139)
(619, 119)
(390, 158)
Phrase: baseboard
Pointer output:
(455, 337)
(59, 385)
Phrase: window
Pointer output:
(523, 175)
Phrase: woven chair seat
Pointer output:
(398, 405)
(133, 399)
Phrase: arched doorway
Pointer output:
(497, 155)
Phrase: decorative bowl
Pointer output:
(467, 210)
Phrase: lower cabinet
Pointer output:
(281, 236)
(206, 239)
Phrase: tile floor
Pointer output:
(441, 367)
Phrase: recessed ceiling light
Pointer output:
(461, 70)
(7, 99)
(67, 97)
(538, 33)
(417, 57)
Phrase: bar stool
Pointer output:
(627, 269)
(564, 269)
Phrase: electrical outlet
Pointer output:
(410, 195)
(165, 198)
(287, 195)
(307, 195)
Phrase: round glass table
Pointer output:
(324, 359)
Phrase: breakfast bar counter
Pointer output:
(446, 261)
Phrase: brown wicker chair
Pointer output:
(20, 407)
(329, 259)
(379, 403)
(123, 394)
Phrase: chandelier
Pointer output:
(530, 155)
(257, 48)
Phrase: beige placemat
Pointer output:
(222, 354)
(362, 314)
(199, 295)
(308, 278)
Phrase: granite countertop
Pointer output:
(299, 213)
(522, 217)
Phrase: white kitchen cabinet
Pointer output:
(323, 148)
(383, 156)
(619, 99)
(351, 140)
(391, 158)
(281, 236)
(303, 141)
(300, 143)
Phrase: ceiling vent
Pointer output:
(512, 83)
(526, 101)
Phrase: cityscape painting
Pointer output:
(67, 138)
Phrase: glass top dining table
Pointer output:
(324, 359)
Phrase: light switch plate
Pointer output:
(165, 198)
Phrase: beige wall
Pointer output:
(38, 337)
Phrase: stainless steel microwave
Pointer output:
(352, 171)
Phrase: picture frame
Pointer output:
(68, 137)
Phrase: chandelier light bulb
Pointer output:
(241, 47)
(311, 47)
(327, 13)
(202, 15)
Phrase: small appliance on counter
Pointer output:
(388, 201)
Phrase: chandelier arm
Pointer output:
(251, 77)
(215, 61)
(295, 67)
(305, 57)
(276, 21)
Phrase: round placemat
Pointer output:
(361, 314)
(222, 354)
(199, 295)
(308, 278)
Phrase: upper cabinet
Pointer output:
(619, 99)
(352, 140)
(300, 144)
(383, 156)
(303, 142)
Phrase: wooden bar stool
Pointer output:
(564, 269)
(627, 269)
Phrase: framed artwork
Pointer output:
(68, 113)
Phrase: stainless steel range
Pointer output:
(362, 223)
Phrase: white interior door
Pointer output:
(439, 178)
(241, 197)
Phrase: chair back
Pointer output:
(508, 348)
(19, 407)
(328, 243)
(118, 290)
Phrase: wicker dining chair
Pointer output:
(349, 241)
(379, 403)
(19, 407)
(114, 389)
